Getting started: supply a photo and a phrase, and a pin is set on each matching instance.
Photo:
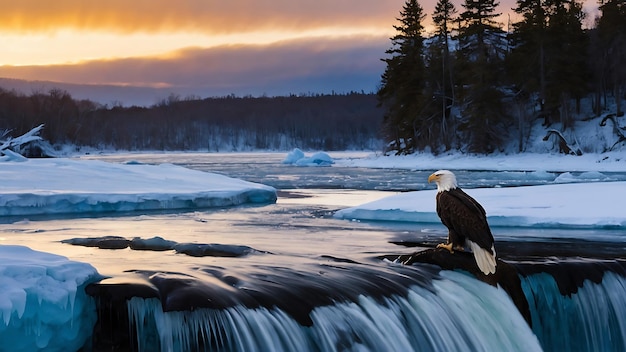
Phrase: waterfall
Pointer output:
(591, 319)
(575, 304)
(456, 313)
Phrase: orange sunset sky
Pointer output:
(205, 47)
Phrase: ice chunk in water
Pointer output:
(42, 301)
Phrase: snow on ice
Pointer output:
(599, 204)
(56, 186)
(42, 301)
(49, 186)
(574, 200)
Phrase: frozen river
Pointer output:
(279, 274)
(299, 227)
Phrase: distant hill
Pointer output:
(109, 95)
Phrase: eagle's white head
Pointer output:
(445, 180)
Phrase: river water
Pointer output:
(297, 238)
(299, 225)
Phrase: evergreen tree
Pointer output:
(611, 49)
(526, 71)
(440, 66)
(481, 54)
(404, 93)
(566, 68)
(527, 59)
(549, 56)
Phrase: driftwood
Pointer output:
(10, 147)
(564, 146)
(616, 129)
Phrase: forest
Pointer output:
(313, 122)
(477, 84)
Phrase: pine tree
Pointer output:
(526, 65)
(526, 75)
(527, 59)
(404, 92)
(440, 65)
(611, 46)
(549, 56)
(481, 54)
(566, 69)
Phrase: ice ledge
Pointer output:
(62, 186)
(43, 304)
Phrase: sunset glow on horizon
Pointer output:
(53, 48)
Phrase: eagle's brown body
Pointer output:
(466, 221)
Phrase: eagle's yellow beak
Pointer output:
(432, 178)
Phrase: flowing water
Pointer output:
(288, 276)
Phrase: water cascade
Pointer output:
(458, 313)
(593, 318)
(341, 305)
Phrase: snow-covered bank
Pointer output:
(55, 186)
(599, 204)
(602, 162)
(609, 162)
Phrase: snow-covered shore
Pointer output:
(604, 162)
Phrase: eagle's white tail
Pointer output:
(486, 261)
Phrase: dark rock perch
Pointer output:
(506, 275)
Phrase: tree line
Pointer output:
(475, 86)
(314, 122)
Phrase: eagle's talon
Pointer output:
(446, 246)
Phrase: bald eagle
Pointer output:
(466, 221)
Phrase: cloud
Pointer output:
(211, 16)
(317, 65)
